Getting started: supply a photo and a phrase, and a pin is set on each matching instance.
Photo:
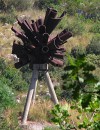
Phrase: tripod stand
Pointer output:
(32, 89)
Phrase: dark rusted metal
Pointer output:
(51, 21)
(56, 62)
(36, 47)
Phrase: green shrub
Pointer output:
(9, 119)
(45, 3)
(79, 76)
(26, 73)
(6, 5)
(76, 27)
(61, 117)
(87, 9)
(15, 79)
(2, 5)
(78, 50)
(9, 17)
(95, 28)
(6, 96)
(2, 65)
(12, 77)
(63, 23)
(93, 59)
(85, 89)
(21, 4)
(94, 46)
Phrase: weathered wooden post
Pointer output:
(51, 87)
(38, 50)
(32, 89)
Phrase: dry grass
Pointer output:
(6, 39)
(10, 120)
(82, 40)
(7, 36)
(40, 111)
(33, 14)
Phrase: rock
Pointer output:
(12, 57)
(33, 126)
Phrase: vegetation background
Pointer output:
(77, 84)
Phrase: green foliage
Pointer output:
(26, 73)
(61, 117)
(80, 73)
(2, 5)
(93, 59)
(15, 78)
(6, 5)
(21, 4)
(9, 119)
(2, 65)
(12, 77)
(63, 23)
(92, 111)
(9, 17)
(86, 100)
(6, 96)
(85, 89)
(44, 3)
(10, 81)
(95, 28)
(94, 46)
(76, 27)
(78, 50)
(87, 9)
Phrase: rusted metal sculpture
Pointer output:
(37, 46)
(38, 50)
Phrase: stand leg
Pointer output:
(34, 93)
(51, 88)
(29, 95)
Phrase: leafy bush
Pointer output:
(87, 9)
(62, 24)
(9, 119)
(95, 28)
(76, 27)
(2, 5)
(44, 3)
(10, 82)
(93, 59)
(79, 74)
(12, 77)
(6, 96)
(26, 73)
(21, 5)
(94, 46)
(61, 117)
(9, 17)
(77, 51)
(85, 90)
(15, 78)
(2, 65)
